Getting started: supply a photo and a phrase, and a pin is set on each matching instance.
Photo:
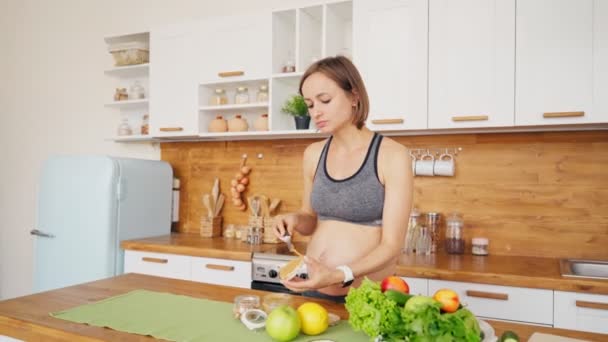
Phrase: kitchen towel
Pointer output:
(180, 318)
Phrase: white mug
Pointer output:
(444, 166)
(424, 166)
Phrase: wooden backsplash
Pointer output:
(534, 194)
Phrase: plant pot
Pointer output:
(302, 122)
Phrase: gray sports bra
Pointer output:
(357, 199)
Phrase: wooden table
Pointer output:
(27, 317)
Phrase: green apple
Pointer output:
(283, 323)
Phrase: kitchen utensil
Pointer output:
(274, 205)
(265, 210)
(255, 205)
(207, 203)
(287, 239)
(215, 193)
(219, 204)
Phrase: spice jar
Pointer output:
(145, 125)
(411, 235)
(432, 222)
(262, 95)
(136, 91)
(479, 246)
(244, 303)
(274, 300)
(454, 237)
(229, 232)
(124, 128)
(218, 98)
(241, 96)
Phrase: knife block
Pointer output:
(211, 227)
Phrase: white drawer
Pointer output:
(158, 264)
(221, 272)
(502, 302)
(581, 311)
(418, 286)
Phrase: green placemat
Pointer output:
(180, 318)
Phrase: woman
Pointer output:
(357, 188)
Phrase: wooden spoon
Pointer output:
(273, 205)
(219, 205)
(207, 203)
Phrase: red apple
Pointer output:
(394, 283)
(449, 300)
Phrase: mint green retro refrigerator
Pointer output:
(86, 206)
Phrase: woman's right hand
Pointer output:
(285, 225)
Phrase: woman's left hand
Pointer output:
(319, 276)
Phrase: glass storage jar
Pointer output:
(479, 246)
(241, 96)
(454, 235)
(245, 302)
(124, 128)
(145, 125)
(411, 235)
(218, 97)
(262, 95)
(432, 222)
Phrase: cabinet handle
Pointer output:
(387, 121)
(489, 295)
(592, 305)
(156, 260)
(562, 115)
(171, 129)
(470, 118)
(220, 267)
(230, 73)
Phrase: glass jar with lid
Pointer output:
(262, 95)
(218, 97)
(411, 235)
(124, 128)
(454, 234)
(136, 91)
(241, 96)
(432, 222)
(243, 303)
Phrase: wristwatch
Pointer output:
(348, 275)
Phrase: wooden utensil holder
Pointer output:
(269, 236)
(211, 227)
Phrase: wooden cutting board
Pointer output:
(541, 337)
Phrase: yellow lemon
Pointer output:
(314, 318)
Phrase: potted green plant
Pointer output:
(296, 107)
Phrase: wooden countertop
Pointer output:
(194, 245)
(533, 272)
(28, 317)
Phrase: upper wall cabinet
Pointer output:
(561, 62)
(600, 60)
(173, 81)
(471, 63)
(390, 50)
(235, 47)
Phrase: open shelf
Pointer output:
(310, 33)
(288, 75)
(134, 137)
(129, 71)
(234, 107)
(338, 29)
(283, 39)
(234, 82)
(127, 103)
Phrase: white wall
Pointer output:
(52, 90)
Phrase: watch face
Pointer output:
(347, 283)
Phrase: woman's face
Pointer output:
(330, 107)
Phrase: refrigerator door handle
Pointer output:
(41, 234)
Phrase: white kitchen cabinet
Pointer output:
(557, 51)
(221, 272)
(471, 63)
(600, 60)
(173, 81)
(581, 311)
(502, 302)
(418, 286)
(235, 47)
(158, 264)
(390, 50)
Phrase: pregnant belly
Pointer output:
(336, 243)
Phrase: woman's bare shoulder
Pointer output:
(392, 147)
(393, 159)
(313, 151)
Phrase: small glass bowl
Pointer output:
(274, 300)
(244, 303)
